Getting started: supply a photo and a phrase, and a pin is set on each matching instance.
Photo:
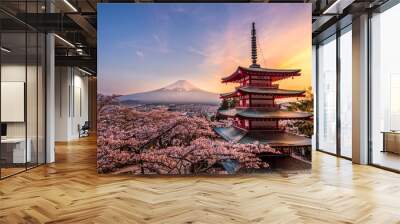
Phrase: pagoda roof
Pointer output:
(272, 91)
(263, 113)
(230, 94)
(264, 91)
(269, 70)
(272, 138)
(275, 74)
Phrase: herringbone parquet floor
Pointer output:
(70, 191)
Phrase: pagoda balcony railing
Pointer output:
(238, 125)
(257, 106)
(264, 106)
(301, 153)
(264, 85)
(276, 86)
(245, 105)
(265, 128)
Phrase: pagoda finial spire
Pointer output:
(254, 47)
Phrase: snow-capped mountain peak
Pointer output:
(181, 85)
(180, 91)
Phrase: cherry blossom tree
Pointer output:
(297, 127)
(164, 142)
(203, 155)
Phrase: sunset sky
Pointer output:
(143, 47)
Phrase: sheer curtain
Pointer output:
(346, 93)
(327, 96)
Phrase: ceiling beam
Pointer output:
(83, 23)
(77, 61)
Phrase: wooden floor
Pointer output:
(386, 159)
(70, 191)
(5, 172)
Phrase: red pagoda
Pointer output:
(256, 114)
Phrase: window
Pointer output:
(346, 92)
(385, 89)
(22, 87)
(326, 96)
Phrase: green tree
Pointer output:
(305, 105)
(227, 104)
(305, 127)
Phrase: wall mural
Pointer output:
(187, 89)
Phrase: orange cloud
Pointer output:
(287, 46)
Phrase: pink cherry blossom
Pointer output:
(163, 142)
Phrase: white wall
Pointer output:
(12, 73)
(71, 102)
(62, 82)
(33, 126)
(81, 102)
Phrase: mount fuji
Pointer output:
(179, 92)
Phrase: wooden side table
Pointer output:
(391, 141)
